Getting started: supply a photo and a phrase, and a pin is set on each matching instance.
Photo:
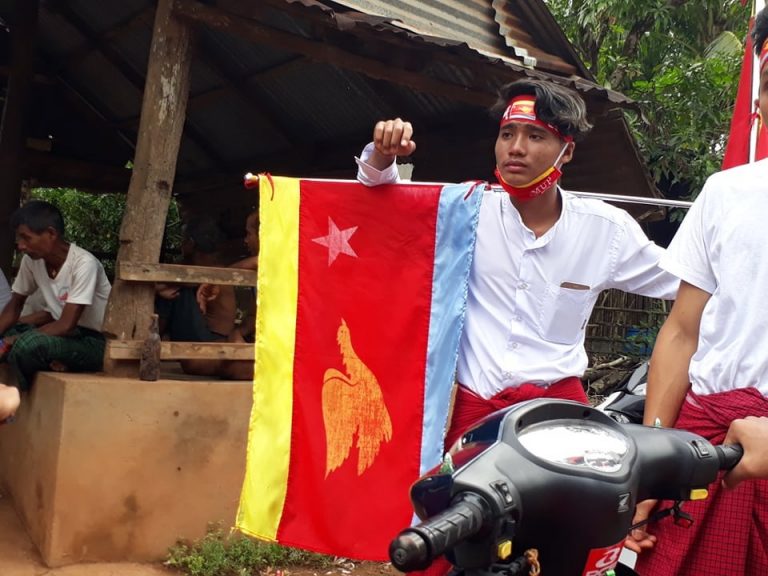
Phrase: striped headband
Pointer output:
(523, 109)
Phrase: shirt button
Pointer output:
(517, 318)
(523, 286)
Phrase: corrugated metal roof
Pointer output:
(461, 20)
(306, 103)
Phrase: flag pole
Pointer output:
(251, 180)
(757, 5)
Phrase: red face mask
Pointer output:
(538, 185)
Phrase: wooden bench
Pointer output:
(122, 350)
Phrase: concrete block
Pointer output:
(105, 469)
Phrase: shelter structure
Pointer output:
(180, 98)
(194, 94)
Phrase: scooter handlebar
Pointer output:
(416, 547)
(729, 455)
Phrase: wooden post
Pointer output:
(162, 120)
(12, 136)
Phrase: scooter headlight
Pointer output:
(579, 444)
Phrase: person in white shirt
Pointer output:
(709, 366)
(541, 259)
(75, 290)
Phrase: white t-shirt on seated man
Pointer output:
(81, 280)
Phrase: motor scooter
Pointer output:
(551, 485)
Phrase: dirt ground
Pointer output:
(343, 568)
(18, 557)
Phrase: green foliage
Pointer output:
(220, 555)
(687, 113)
(92, 221)
(680, 61)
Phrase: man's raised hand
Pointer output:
(393, 138)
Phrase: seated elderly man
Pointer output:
(74, 288)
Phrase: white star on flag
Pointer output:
(337, 241)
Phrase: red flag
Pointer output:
(745, 115)
(361, 299)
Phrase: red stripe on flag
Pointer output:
(381, 246)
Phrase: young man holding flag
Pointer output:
(709, 366)
(541, 258)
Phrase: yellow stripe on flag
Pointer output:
(269, 434)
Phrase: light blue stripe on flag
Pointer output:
(457, 218)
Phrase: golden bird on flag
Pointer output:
(353, 404)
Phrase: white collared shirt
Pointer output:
(722, 248)
(529, 298)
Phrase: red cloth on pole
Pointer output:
(730, 530)
(468, 407)
(744, 115)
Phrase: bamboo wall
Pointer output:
(617, 316)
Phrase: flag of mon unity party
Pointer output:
(361, 297)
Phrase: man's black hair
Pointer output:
(205, 233)
(555, 104)
(38, 216)
(760, 30)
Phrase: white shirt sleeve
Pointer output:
(25, 283)
(688, 254)
(84, 278)
(637, 269)
(370, 176)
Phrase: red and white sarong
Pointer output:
(730, 531)
(468, 408)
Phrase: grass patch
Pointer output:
(220, 554)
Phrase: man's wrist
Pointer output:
(381, 161)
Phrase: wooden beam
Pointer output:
(182, 274)
(23, 33)
(259, 33)
(131, 350)
(149, 193)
